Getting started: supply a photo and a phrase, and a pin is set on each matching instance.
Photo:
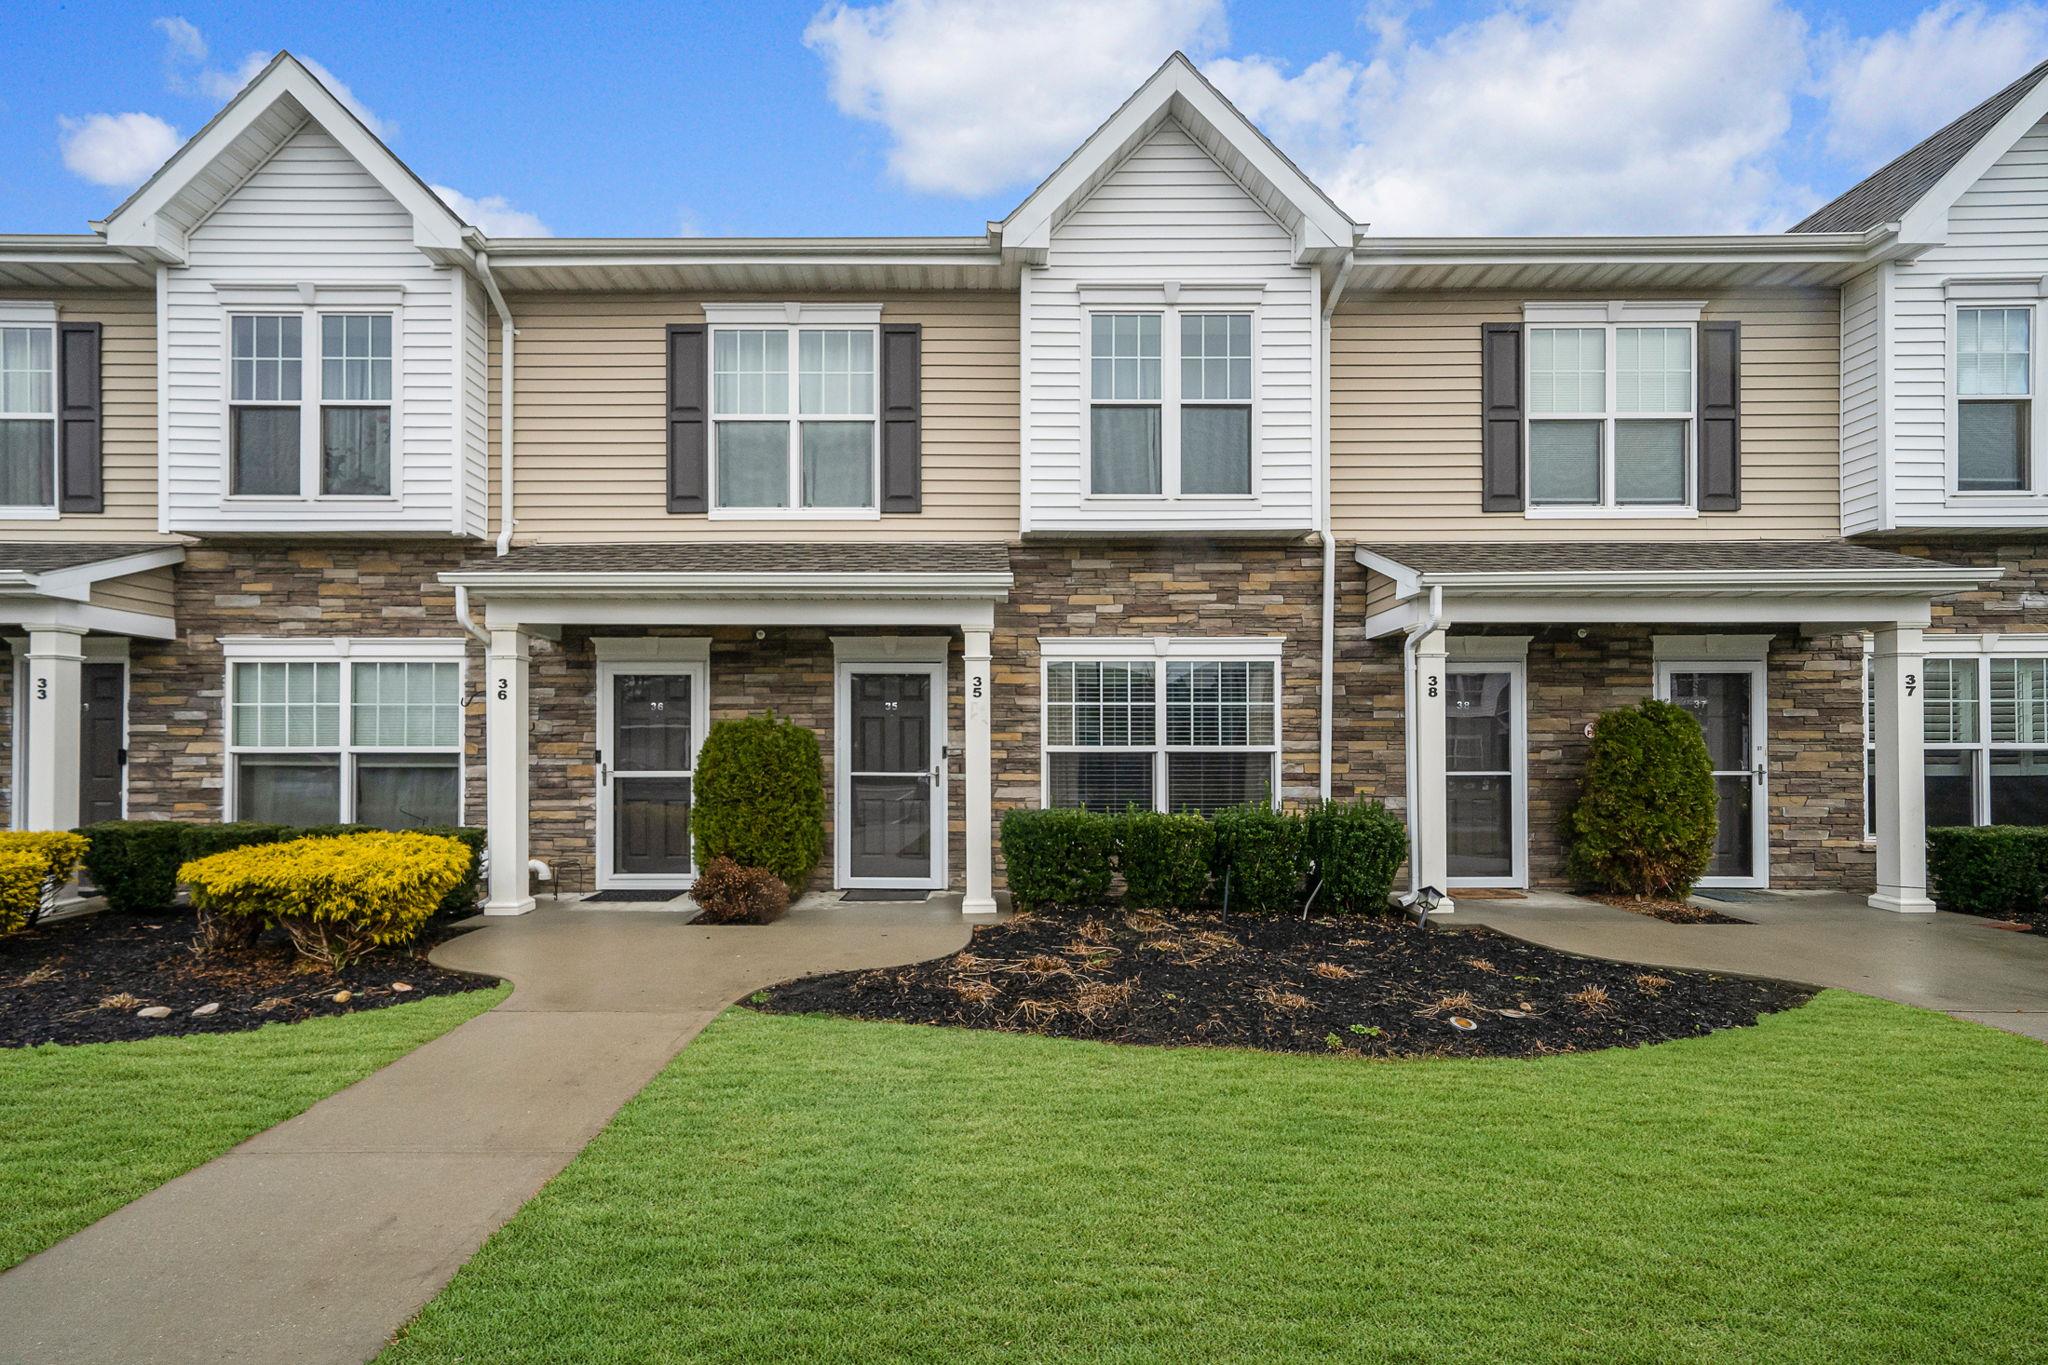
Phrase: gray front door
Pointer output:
(652, 756)
(890, 777)
(102, 732)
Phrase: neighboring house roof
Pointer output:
(881, 557)
(1704, 556)
(1179, 92)
(39, 557)
(1885, 195)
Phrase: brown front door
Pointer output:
(102, 742)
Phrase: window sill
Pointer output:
(1249, 501)
(795, 514)
(28, 514)
(1609, 513)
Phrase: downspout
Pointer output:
(1326, 531)
(468, 621)
(1408, 642)
(507, 332)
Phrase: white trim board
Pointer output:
(843, 670)
(602, 789)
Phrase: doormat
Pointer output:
(882, 893)
(1732, 896)
(1488, 893)
(637, 895)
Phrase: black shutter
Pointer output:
(1500, 388)
(689, 482)
(80, 487)
(902, 420)
(1720, 416)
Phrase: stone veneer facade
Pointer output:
(2002, 605)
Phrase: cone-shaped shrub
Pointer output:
(760, 798)
(1644, 821)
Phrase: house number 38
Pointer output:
(1432, 684)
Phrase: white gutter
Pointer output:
(1326, 530)
(506, 521)
(993, 585)
(1408, 643)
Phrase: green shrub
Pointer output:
(1994, 870)
(134, 863)
(205, 840)
(1644, 821)
(759, 798)
(1058, 859)
(1354, 849)
(1260, 858)
(727, 893)
(1164, 859)
(336, 897)
(463, 899)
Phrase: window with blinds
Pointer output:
(1194, 735)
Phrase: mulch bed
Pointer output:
(1372, 988)
(1671, 912)
(57, 981)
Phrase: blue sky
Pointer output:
(931, 116)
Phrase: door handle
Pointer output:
(120, 758)
(1761, 769)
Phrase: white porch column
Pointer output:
(56, 658)
(1897, 679)
(506, 721)
(980, 898)
(1427, 804)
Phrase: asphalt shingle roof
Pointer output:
(1705, 557)
(1885, 194)
(753, 557)
(46, 556)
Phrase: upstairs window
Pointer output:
(1610, 416)
(1170, 408)
(1994, 399)
(272, 429)
(796, 436)
(28, 417)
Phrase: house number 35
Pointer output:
(977, 685)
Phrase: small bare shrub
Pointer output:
(1592, 1000)
(728, 893)
(1458, 1002)
(975, 990)
(1332, 971)
(1098, 999)
(123, 1001)
(1286, 1002)
(1650, 984)
(1480, 964)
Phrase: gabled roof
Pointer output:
(271, 109)
(1889, 193)
(1179, 92)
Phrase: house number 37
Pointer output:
(1912, 681)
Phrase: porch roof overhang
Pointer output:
(1710, 582)
(49, 585)
(740, 584)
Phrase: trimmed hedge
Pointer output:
(1260, 859)
(727, 893)
(759, 798)
(1644, 822)
(1354, 849)
(1164, 859)
(135, 862)
(1995, 870)
(38, 862)
(1058, 859)
(336, 897)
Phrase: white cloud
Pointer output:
(115, 149)
(183, 36)
(1886, 92)
(186, 52)
(493, 213)
(1588, 116)
(982, 94)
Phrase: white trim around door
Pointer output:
(1499, 655)
(922, 655)
(688, 658)
(1742, 655)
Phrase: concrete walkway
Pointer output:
(1957, 963)
(315, 1241)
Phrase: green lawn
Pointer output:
(83, 1130)
(1853, 1179)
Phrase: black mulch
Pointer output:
(2034, 920)
(82, 980)
(1671, 912)
(1365, 987)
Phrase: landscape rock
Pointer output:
(211, 1007)
(154, 1012)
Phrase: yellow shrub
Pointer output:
(32, 862)
(337, 897)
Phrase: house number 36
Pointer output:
(504, 688)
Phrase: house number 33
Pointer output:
(42, 689)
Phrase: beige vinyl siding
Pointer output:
(151, 591)
(127, 415)
(592, 427)
(1405, 416)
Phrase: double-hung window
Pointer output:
(373, 741)
(273, 428)
(794, 436)
(1985, 730)
(28, 416)
(1170, 409)
(1994, 399)
(1173, 733)
(1610, 414)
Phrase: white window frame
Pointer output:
(41, 317)
(793, 319)
(312, 398)
(1612, 317)
(1984, 651)
(2036, 489)
(1169, 403)
(1160, 651)
(344, 651)
(1507, 654)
